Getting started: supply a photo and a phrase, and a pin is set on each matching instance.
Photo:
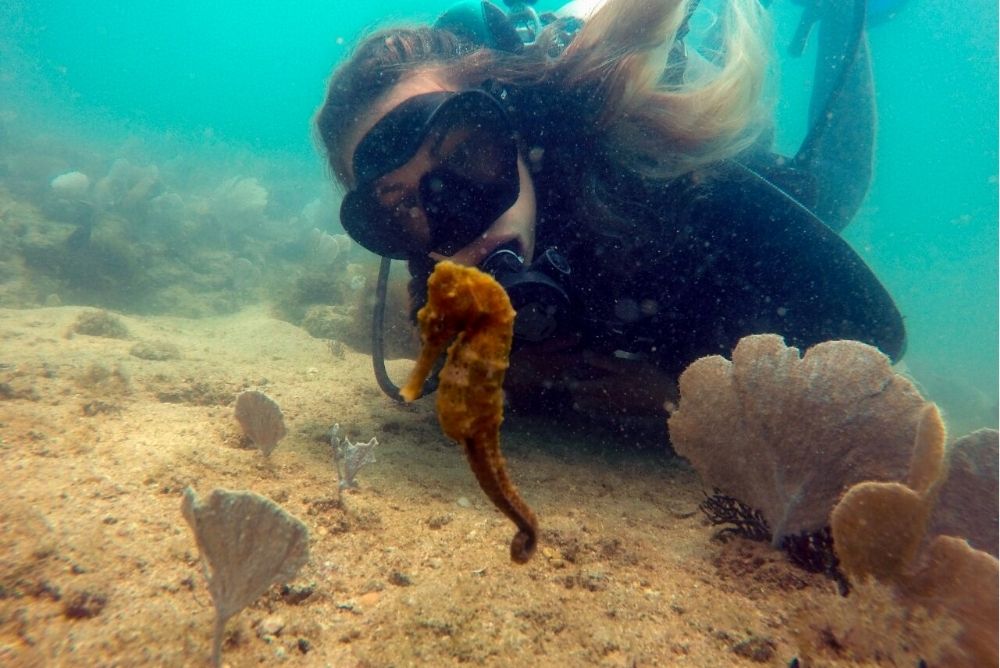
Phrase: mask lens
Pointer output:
(471, 180)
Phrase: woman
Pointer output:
(621, 202)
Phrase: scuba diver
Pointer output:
(618, 182)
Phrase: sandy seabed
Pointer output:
(98, 568)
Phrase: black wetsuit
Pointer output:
(696, 263)
(663, 272)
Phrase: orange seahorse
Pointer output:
(470, 307)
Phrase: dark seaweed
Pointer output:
(811, 551)
(745, 521)
(814, 552)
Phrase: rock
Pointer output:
(270, 626)
(84, 604)
(157, 351)
(755, 648)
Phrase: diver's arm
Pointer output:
(840, 155)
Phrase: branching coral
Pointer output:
(350, 457)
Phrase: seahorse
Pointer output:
(470, 307)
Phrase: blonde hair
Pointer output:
(641, 123)
(670, 129)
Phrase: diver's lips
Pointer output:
(513, 244)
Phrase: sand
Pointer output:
(98, 568)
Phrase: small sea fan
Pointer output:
(261, 420)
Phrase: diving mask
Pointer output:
(432, 175)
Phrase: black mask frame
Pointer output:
(470, 148)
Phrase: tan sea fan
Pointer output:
(786, 435)
(879, 531)
(968, 503)
(248, 543)
(261, 420)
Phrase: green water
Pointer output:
(219, 90)
(929, 225)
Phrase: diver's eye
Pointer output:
(389, 195)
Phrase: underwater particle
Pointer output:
(261, 420)
(100, 323)
(248, 543)
(157, 351)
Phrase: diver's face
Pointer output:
(398, 193)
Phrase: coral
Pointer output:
(239, 199)
(327, 248)
(100, 380)
(126, 186)
(327, 322)
(261, 420)
(315, 286)
(787, 435)
(967, 503)
(814, 552)
(350, 457)
(744, 521)
(100, 323)
(872, 627)
(248, 543)
(70, 185)
(470, 307)
(879, 528)
(962, 582)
